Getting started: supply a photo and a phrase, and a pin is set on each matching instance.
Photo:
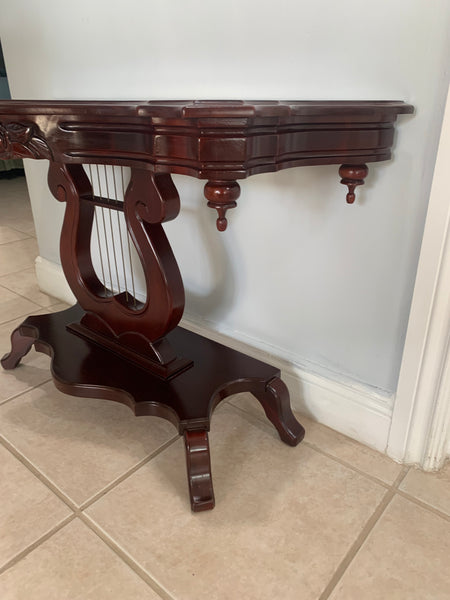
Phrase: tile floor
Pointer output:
(94, 501)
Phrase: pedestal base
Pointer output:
(82, 368)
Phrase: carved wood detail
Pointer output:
(22, 140)
(222, 195)
(22, 340)
(136, 330)
(276, 403)
(114, 347)
(82, 367)
(221, 141)
(198, 464)
(352, 176)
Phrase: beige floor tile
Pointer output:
(33, 369)
(25, 284)
(15, 209)
(7, 234)
(17, 256)
(28, 509)
(406, 557)
(283, 521)
(17, 190)
(432, 488)
(23, 224)
(80, 444)
(342, 447)
(12, 305)
(74, 564)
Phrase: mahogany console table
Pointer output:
(115, 344)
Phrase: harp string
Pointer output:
(97, 230)
(119, 227)
(113, 243)
(113, 250)
(104, 230)
(129, 244)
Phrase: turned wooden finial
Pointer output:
(222, 195)
(353, 175)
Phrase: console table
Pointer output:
(111, 164)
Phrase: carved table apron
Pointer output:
(115, 343)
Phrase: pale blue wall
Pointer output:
(299, 272)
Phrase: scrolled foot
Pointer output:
(198, 465)
(20, 346)
(276, 403)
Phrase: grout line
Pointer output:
(61, 495)
(348, 465)
(254, 419)
(77, 511)
(127, 474)
(362, 537)
(122, 554)
(28, 235)
(268, 426)
(391, 491)
(352, 552)
(424, 505)
(401, 476)
(18, 293)
(16, 272)
(25, 233)
(24, 316)
(40, 306)
(13, 561)
(15, 396)
(42, 478)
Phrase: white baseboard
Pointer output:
(354, 409)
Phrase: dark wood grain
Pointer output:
(198, 464)
(221, 141)
(18, 140)
(84, 368)
(212, 140)
(222, 195)
(352, 176)
(22, 341)
(112, 346)
(274, 398)
(117, 320)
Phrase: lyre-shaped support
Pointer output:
(116, 321)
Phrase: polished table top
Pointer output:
(115, 347)
(218, 140)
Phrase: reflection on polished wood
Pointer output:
(111, 164)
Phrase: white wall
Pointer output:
(299, 273)
(420, 425)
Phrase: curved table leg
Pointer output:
(198, 464)
(20, 345)
(276, 404)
